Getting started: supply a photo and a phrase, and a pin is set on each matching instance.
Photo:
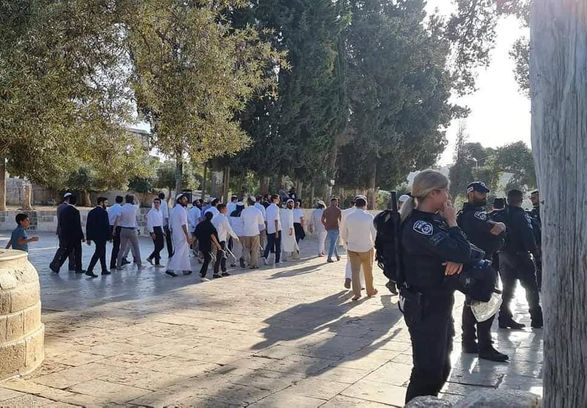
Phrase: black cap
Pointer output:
(478, 186)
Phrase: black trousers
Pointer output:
(273, 245)
(299, 230)
(168, 241)
(431, 327)
(66, 248)
(99, 255)
(115, 246)
(220, 263)
(483, 332)
(159, 243)
(513, 267)
(207, 259)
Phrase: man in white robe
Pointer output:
(180, 237)
(288, 241)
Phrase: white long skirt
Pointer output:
(180, 260)
(288, 242)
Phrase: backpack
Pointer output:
(387, 243)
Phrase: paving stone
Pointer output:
(377, 392)
(391, 373)
(71, 376)
(316, 388)
(347, 402)
(285, 399)
(107, 391)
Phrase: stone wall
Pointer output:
(21, 330)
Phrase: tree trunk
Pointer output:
(312, 193)
(204, 181)
(86, 199)
(2, 184)
(226, 184)
(264, 185)
(372, 192)
(178, 174)
(558, 77)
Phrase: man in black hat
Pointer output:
(489, 236)
(515, 262)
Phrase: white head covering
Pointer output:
(67, 195)
(403, 198)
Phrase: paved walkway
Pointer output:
(275, 337)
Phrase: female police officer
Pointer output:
(433, 247)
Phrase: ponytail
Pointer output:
(424, 183)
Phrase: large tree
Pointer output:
(399, 91)
(193, 72)
(558, 81)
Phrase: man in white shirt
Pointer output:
(165, 212)
(180, 237)
(263, 234)
(273, 231)
(212, 209)
(155, 229)
(253, 221)
(232, 205)
(359, 234)
(348, 272)
(237, 226)
(220, 222)
(113, 213)
(127, 221)
(316, 227)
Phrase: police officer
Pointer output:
(489, 236)
(515, 262)
(433, 247)
(537, 227)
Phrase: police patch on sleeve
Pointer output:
(423, 227)
(481, 215)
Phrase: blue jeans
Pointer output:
(332, 238)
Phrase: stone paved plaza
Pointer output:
(276, 337)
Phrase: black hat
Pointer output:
(478, 186)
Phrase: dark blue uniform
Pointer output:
(427, 243)
(534, 214)
(515, 263)
(477, 225)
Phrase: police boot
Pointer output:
(470, 347)
(507, 322)
(536, 316)
(491, 354)
(469, 333)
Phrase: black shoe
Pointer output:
(492, 354)
(202, 275)
(150, 260)
(187, 273)
(391, 286)
(171, 273)
(54, 269)
(106, 272)
(125, 262)
(337, 258)
(242, 263)
(80, 271)
(215, 276)
(90, 274)
(225, 274)
(509, 323)
(329, 260)
(470, 347)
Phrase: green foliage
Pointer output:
(516, 158)
(399, 99)
(166, 179)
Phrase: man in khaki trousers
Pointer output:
(359, 234)
(252, 221)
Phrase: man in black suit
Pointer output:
(70, 237)
(60, 207)
(98, 230)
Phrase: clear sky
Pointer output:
(500, 114)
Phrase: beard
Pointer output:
(480, 203)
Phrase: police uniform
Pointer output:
(515, 263)
(427, 243)
(477, 225)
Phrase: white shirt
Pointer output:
(287, 219)
(317, 220)
(345, 213)
(231, 207)
(154, 219)
(113, 212)
(178, 216)
(261, 208)
(212, 210)
(358, 231)
(298, 214)
(165, 212)
(194, 215)
(223, 227)
(253, 221)
(128, 216)
(237, 225)
(272, 216)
